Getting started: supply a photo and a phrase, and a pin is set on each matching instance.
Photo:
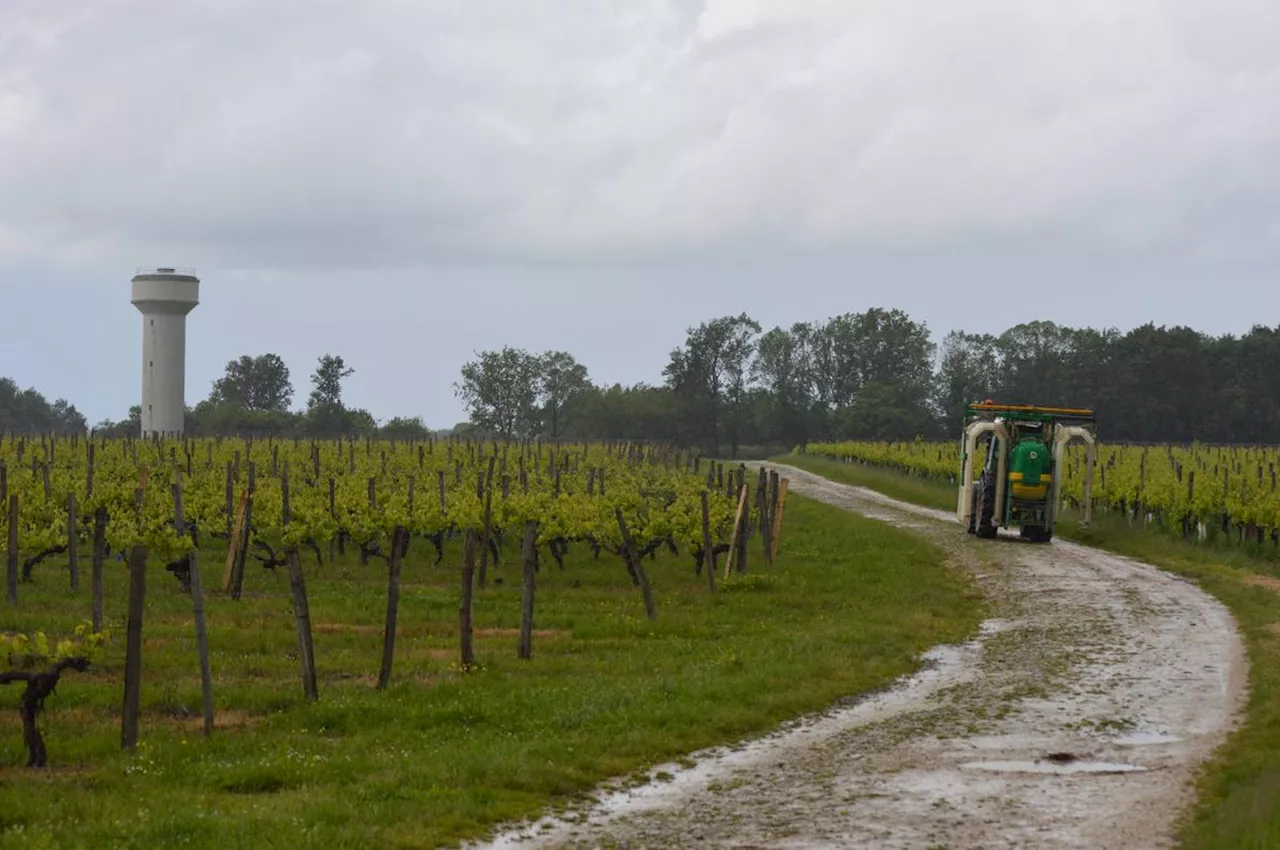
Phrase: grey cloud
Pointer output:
(399, 133)
(404, 182)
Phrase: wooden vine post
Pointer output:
(197, 605)
(708, 553)
(336, 537)
(246, 531)
(301, 609)
(488, 524)
(229, 493)
(766, 526)
(73, 549)
(781, 502)
(393, 605)
(775, 482)
(373, 509)
(529, 568)
(235, 549)
(413, 495)
(99, 558)
(133, 648)
(468, 659)
(735, 541)
(11, 570)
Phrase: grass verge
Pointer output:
(1238, 806)
(440, 756)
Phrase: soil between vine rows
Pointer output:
(1076, 719)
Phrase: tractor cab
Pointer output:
(1019, 482)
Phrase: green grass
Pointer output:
(440, 755)
(1239, 789)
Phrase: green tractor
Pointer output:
(1019, 484)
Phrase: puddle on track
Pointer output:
(1145, 739)
(1094, 767)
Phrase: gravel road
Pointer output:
(1076, 718)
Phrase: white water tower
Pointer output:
(164, 296)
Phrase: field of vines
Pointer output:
(77, 509)
(1196, 491)
(306, 493)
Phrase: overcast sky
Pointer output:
(404, 182)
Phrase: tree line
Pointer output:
(879, 375)
(255, 394)
(29, 411)
(253, 397)
(731, 384)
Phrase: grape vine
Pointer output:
(357, 492)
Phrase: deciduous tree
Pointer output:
(709, 377)
(562, 380)
(258, 383)
(326, 412)
(500, 391)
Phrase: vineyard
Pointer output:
(1191, 490)
(307, 493)
(274, 503)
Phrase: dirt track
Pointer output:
(1076, 719)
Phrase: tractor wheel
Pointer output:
(986, 506)
(1036, 534)
(974, 504)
